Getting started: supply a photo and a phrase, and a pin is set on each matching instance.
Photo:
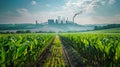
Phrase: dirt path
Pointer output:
(67, 58)
(55, 55)
(46, 53)
(71, 55)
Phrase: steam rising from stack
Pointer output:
(91, 4)
(77, 14)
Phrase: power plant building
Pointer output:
(60, 20)
(50, 21)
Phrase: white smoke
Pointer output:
(77, 14)
(84, 6)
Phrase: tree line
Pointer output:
(109, 26)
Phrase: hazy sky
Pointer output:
(27, 11)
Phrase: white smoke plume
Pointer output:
(84, 6)
(77, 14)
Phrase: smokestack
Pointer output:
(63, 18)
(59, 19)
(36, 22)
(77, 14)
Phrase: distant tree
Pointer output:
(28, 31)
(20, 31)
(107, 26)
(7, 32)
(12, 32)
(2, 32)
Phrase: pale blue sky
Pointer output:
(27, 11)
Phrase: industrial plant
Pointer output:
(59, 21)
(61, 24)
